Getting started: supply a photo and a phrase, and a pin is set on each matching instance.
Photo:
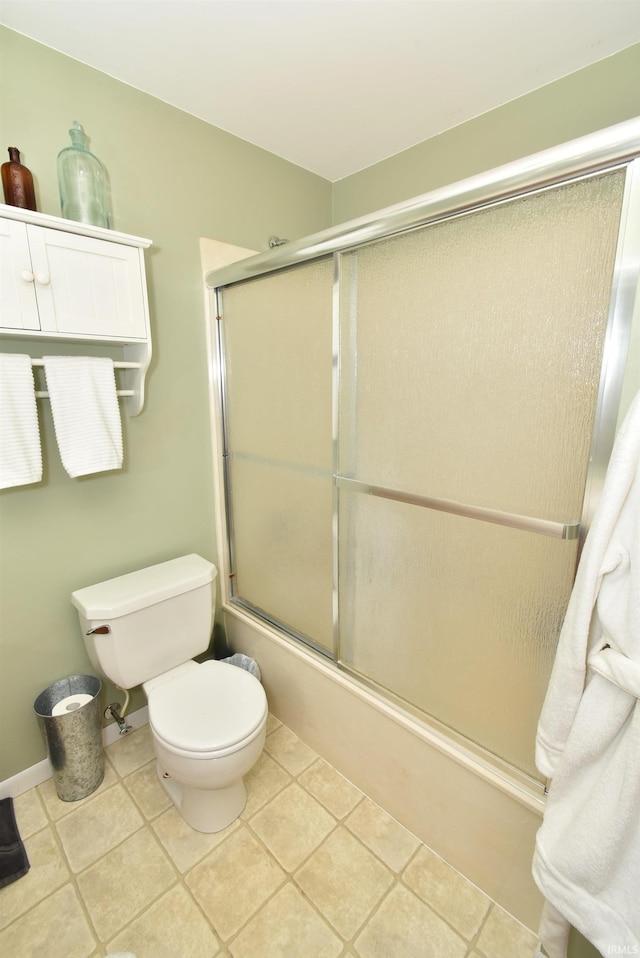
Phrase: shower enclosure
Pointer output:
(416, 412)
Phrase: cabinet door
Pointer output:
(18, 307)
(88, 287)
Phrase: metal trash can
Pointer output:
(69, 715)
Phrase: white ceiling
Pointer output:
(332, 85)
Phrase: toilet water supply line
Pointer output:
(118, 712)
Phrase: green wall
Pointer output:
(591, 99)
(173, 179)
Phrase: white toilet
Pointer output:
(207, 721)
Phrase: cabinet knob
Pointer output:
(43, 279)
(27, 276)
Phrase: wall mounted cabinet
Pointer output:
(66, 281)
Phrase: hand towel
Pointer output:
(86, 416)
(587, 856)
(20, 453)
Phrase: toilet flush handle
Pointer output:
(100, 630)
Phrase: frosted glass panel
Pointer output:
(282, 522)
(278, 350)
(456, 616)
(472, 349)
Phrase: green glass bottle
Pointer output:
(82, 182)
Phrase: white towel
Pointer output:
(20, 453)
(85, 412)
(587, 857)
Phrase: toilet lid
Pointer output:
(208, 708)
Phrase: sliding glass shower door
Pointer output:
(471, 363)
(279, 456)
(407, 432)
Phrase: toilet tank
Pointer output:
(142, 624)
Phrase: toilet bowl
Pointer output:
(208, 725)
(207, 720)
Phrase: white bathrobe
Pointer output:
(587, 857)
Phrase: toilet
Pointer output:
(207, 720)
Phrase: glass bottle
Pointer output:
(17, 182)
(82, 182)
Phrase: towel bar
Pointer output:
(116, 364)
(41, 394)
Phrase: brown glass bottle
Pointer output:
(17, 182)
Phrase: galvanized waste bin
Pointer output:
(69, 714)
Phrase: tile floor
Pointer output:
(312, 869)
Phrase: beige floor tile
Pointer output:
(404, 927)
(289, 750)
(233, 881)
(272, 723)
(173, 927)
(131, 751)
(263, 783)
(57, 809)
(147, 792)
(344, 881)
(184, 845)
(47, 872)
(287, 926)
(447, 891)
(55, 928)
(382, 834)
(118, 887)
(504, 937)
(30, 815)
(292, 825)
(89, 832)
(335, 792)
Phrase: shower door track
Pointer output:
(615, 146)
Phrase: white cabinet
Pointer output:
(69, 283)
(62, 280)
(18, 307)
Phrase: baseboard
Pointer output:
(23, 781)
(39, 773)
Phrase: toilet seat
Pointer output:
(212, 708)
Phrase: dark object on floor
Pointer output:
(13, 857)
